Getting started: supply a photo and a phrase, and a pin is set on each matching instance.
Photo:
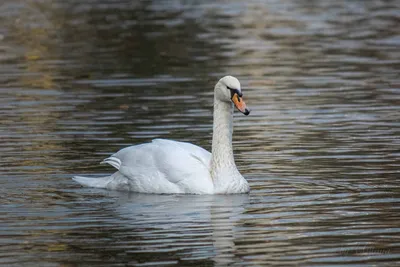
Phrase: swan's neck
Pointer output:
(222, 153)
(223, 168)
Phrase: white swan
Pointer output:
(169, 167)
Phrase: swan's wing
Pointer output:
(198, 153)
(165, 163)
(180, 160)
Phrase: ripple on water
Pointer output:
(320, 149)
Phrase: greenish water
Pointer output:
(321, 149)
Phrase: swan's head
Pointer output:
(227, 90)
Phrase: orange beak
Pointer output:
(240, 105)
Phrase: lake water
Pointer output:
(80, 80)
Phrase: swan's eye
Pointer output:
(235, 91)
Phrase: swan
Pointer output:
(171, 167)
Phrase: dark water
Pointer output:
(321, 150)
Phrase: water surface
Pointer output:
(81, 79)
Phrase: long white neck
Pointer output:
(222, 153)
(226, 177)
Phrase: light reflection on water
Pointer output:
(320, 150)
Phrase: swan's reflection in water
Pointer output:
(192, 226)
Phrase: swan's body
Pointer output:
(166, 166)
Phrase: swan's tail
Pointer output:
(100, 182)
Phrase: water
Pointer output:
(81, 79)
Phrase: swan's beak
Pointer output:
(239, 104)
